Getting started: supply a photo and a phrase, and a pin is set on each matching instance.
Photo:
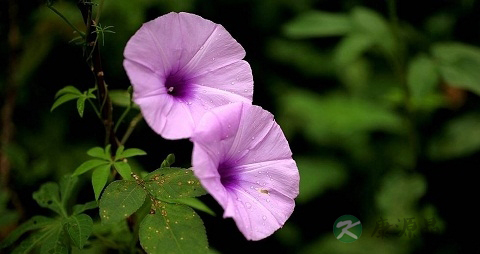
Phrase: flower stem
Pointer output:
(94, 108)
(399, 64)
(131, 127)
(121, 118)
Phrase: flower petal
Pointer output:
(265, 177)
(192, 56)
(163, 113)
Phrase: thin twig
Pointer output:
(131, 127)
(66, 20)
(92, 57)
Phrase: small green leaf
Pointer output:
(422, 76)
(458, 138)
(77, 209)
(64, 98)
(90, 93)
(79, 228)
(81, 105)
(459, 64)
(168, 161)
(36, 222)
(123, 169)
(98, 152)
(121, 98)
(194, 203)
(107, 151)
(67, 184)
(318, 24)
(89, 165)
(173, 228)
(119, 152)
(68, 90)
(121, 199)
(318, 176)
(131, 152)
(423, 80)
(172, 183)
(371, 23)
(100, 178)
(48, 196)
(351, 48)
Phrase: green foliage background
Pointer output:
(379, 101)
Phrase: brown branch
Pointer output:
(11, 87)
(92, 56)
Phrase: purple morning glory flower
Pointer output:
(243, 160)
(181, 65)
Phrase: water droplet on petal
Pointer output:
(253, 138)
(213, 59)
(248, 205)
(251, 187)
(264, 217)
(233, 83)
(268, 200)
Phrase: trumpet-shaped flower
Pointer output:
(243, 160)
(181, 65)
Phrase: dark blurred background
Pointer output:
(378, 99)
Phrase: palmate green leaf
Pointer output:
(173, 228)
(81, 104)
(98, 152)
(36, 222)
(121, 199)
(56, 242)
(51, 239)
(318, 24)
(89, 165)
(77, 209)
(79, 228)
(27, 245)
(131, 152)
(99, 179)
(64, 98)
(48, 196)
(172, 183)
(68, 90)
(168, 161)
(123, 169)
